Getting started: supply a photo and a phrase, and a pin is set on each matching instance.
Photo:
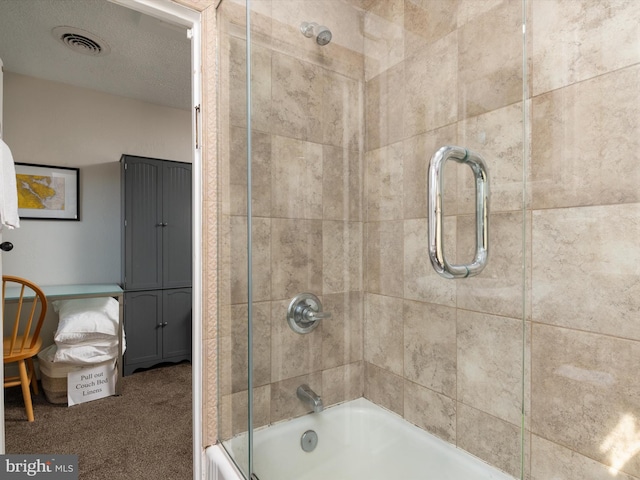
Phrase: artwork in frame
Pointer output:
(48, 193)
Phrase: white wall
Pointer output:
(55, 124)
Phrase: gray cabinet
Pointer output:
(156, 244)
(157, 326)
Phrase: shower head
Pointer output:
(320, 32)
(324, 36)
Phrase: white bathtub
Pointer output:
(356, 440)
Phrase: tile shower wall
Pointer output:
(446, 355)
(307, 139)
(585, 125)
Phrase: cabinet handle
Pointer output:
(165, 324)
(161, 224)
(158, 325)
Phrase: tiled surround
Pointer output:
(307, 124)
(340, 210)
(585, 286)
(447, 355)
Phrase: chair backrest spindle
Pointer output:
(25, 331)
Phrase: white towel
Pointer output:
(8, 189)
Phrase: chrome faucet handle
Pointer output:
(312, 315)
(305, 313)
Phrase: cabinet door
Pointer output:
(143, 223)
(143, 329)
(176, 208)
(176, 332)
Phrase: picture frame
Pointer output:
(47, 192)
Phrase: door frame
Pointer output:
(190, 19)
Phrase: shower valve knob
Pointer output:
(305, 313)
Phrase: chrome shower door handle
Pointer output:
(436, 224)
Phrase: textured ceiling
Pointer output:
(150, 60)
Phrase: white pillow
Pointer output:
(110, 341)
(85, 354)
(86, 319)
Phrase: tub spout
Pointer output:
(310, 398)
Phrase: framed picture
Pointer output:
(48, 193)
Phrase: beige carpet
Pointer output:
(145, 434)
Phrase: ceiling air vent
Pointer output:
(81, 41)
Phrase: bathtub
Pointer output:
(355, 440)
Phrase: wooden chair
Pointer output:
(23, 342)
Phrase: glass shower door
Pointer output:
(348, 102)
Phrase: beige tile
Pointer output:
(584, 143)
(430, 346)
(430, 411)
(260, 169)
(497, 137)
(222, 253)
(490, 60)
(235, 11)
(383, 258)
(389, 10)
(586, 394)
(234, 409)
(343, 383)
(225, 422)
(342, 112)
(384, 183)
(342, 181)
(296, 178)
(225, 365)
(296, 92)
(493, 440)
(384, 36)
(383, 332)
(417, 154)
(342, 334)
(468, 10)
(261, 254)
(296, 250)
(550, 460)
(237, 99)
(431, 99)
(490, 356)
(292, 354)
(585, 268)
(261, 345)
(362, 4)
(261, 84)
(498, 289)
(577, 40)
(384, 388)
(421, 282)
(342, 256)
(384, 103)
(284, 402)
(427, 21)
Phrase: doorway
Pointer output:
(175, 15)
